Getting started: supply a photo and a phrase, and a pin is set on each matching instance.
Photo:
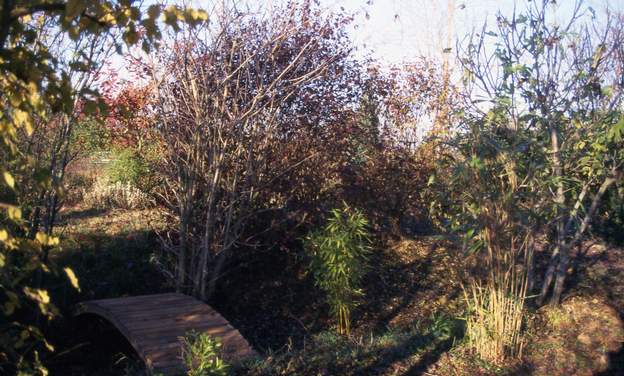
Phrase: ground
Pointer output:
(409, 322)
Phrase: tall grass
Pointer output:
(496, 305)
(494, 324)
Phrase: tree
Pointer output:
(553, 91)
(38, 88)
(130, 116)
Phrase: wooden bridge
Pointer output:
(153, 324)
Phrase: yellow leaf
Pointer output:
(72, 278)
(48, 345)
(41, 238)
(4, 235)
(108, 18)
(8, 178)
(196, 15)
(53, 240)
(29, 129)
(171, 15)
(20, 117)
(14, 212)
(45, 239)
(43, 296)
(38, 295)
(15, 98)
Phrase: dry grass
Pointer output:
(105, 195)
(494, 323)
(496, 307)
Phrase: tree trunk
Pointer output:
(562, 270)
(181, 272)
(548, 277)
(565, 260)
(530, 264)
(558, 257)
(214, 276)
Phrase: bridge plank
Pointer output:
(153, 324)
(146, 325)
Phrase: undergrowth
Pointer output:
(409, 349)
(201, 354)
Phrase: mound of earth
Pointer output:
(574, 338)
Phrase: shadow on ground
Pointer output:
(111, 255)
(95, 348)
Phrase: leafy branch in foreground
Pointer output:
(37, 66)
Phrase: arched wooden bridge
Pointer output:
(153, 324)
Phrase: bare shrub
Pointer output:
(227, 105)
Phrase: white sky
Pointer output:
(399, 30)
(402, 30)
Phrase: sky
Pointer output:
(399, 30)
(396, 31)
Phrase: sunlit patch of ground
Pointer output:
(575, 338)
(111, 222)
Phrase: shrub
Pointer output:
(77, 185)
(89, 137)
(340, 256)
(202, 355)
(611, 217)
(127, 167)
